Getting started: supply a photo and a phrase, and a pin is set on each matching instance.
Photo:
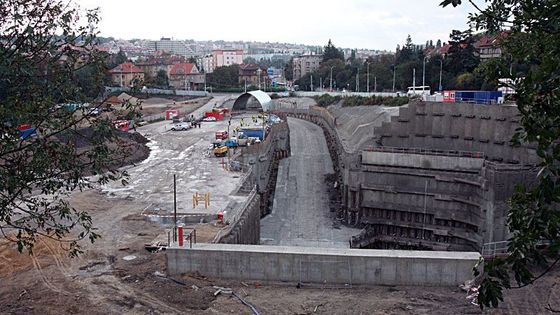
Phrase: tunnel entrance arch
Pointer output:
(253, 100)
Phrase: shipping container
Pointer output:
(253, 132)
(26, 131)
(475, 97)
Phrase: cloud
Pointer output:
(374, 24)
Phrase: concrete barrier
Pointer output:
(324, 265)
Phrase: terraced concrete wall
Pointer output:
(464, 127)
(439, 200)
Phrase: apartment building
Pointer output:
(306, 64)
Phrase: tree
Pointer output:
(161, 79)
(117, 59)
(289, 70)
(48, 59)
(438, 43)
(534, 218)
(407, 52)
(224, 77)
(331, 52)
(461, 57)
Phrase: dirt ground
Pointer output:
(116, 275)
(103, 281)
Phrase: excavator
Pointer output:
(220, 149)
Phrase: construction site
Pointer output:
(248, 205)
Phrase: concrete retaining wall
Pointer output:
(244, 228)
(319, 265)
(261, 162)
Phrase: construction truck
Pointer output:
(220, 149)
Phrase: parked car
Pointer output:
(209, 119)
(95, 112)
(181, 126)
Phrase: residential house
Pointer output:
(185, 76)
(252, 74)
(488, 47)
(126, 75)
(154, 64)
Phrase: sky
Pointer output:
(371, 24)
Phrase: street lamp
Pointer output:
(357, 79)
(367, 89)
(414, 79)
(331, 77)
(440, 72)
(394, 75)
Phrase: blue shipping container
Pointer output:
(252, 132)
(26, 133)
(478, 97)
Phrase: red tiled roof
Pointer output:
(492, 40)
(181, 68)
(126, 67)
(444, 49)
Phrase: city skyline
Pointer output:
(379, 25)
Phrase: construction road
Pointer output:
(300, 214)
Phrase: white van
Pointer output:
(418, 90)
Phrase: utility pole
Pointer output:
(245, 85)
(331, 78)
(414, 79)
(394, 75)
(423, 74)
(358, 80)
(205, 82)
(175, 207)
(367, 80)
(311, 87)
(440, 73)
(375, 83)
(321, 83)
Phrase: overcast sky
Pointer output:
(373, 24)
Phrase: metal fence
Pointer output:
(470, 154)
(158, 91)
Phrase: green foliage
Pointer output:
(374, 100)
(47, 59)
(161, 79)
(117, 59)
(266, 63)
(289, 70)
(224, 77)
(326, 100)
(533, 220)
(331, 52)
